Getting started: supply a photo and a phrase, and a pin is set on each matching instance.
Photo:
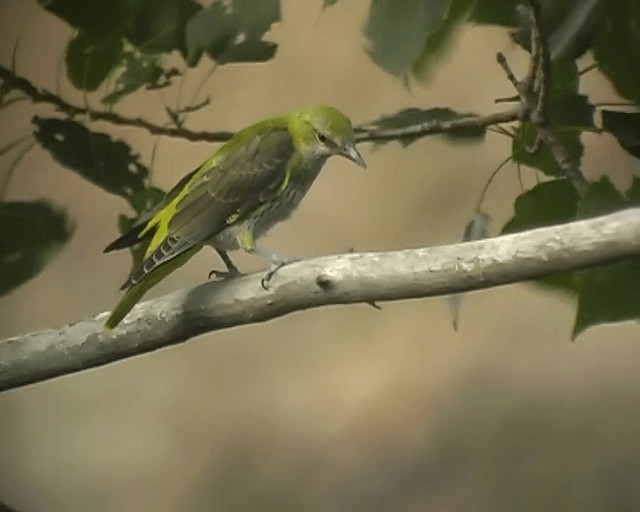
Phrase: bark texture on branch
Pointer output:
(342, 279)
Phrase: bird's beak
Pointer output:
(353, 154)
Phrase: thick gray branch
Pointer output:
(342, 279)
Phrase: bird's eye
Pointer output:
(322, 138)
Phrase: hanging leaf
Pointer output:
(476, 229)
(109, 164)
(546, 204)
(625, 127)
(615, 48)
(157, 26)
(398, 31)
(31, 235)
(608, 293)
(97, 18)
(232, 31)
(89, 61)
(139, 71)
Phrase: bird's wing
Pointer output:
(219, 195)
(134, 235)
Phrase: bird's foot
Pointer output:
(277, 265)
(223, 275)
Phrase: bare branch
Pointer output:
(344, 279)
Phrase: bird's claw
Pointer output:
(223, 275)
(266, 278)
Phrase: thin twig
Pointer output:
(40, 95)
(534, 100)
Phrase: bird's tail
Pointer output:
(133, 295)
(130, 299)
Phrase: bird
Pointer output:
(251, 183)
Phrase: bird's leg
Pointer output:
(247, 242)
(277, 262)
(232, 270)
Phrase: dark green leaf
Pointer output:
(564, 78)
(574, 35)
(543, 159)
(248, 51)
(31, 234)
(222, 27)
(602, 197)
(96, 17)
(572, 111)
(140, 71)
(398, 31)
(625, 127)
(616, 47)
(633, 194)
(497, 12)
(90, 60)
(96, 157)
(608, 293)
(157, 25)
(414, 116)
(569, 26)
(546, 204)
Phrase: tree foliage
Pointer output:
(119, 47)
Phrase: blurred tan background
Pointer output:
(342, 408)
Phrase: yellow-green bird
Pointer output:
(250, 184)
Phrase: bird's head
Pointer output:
(323, 131)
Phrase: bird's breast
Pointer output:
(273, 211)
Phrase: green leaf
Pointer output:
(96, 157)
(633, 193)
(99, 18)
(616, 47)
(222, 27)
(438, 40)
(625, 127)
(496, 12)
(31, 234)
(569, 26)
(572, 111)
(328, 3)
(140, 71)
(89, 61)
(248, 51)
(546, 204)
(154, 26)
(565, 78)
(414, 116)
(577, 27)
(398, 31)
(609, 293)
(543, 159)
